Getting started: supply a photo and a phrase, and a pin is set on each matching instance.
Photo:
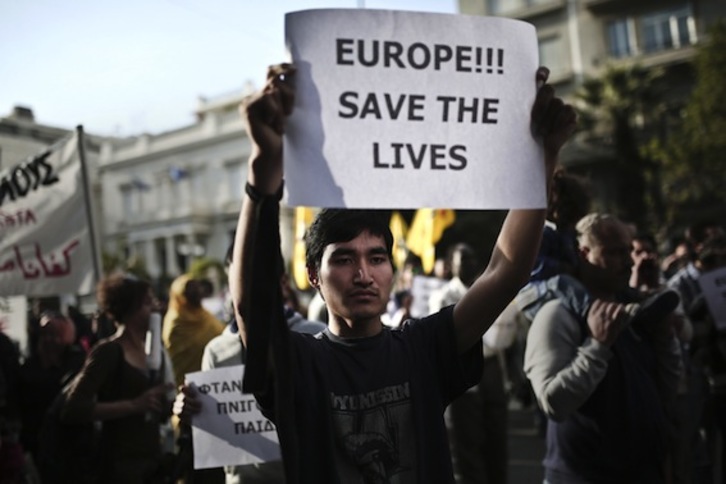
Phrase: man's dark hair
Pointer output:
(648, 238)
(697, 233)
(713, 252)
(206, 286)
(341, 225)
(570, 198)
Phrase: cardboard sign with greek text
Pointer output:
(406, 110)
(230, 429)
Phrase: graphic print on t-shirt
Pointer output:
(375, 436)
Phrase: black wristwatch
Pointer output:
(257, 197)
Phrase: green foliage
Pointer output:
(202, 267)
(694, 155)
(111, 262)
(623, 98)
(618, 112)
(137, 267)
(115, 262)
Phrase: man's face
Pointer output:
(642, 248)
(355, 277)
(611, 258)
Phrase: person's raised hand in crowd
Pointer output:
(552, 119)
(265, 114)
(186, 404)
(644, 275)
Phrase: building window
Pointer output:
(161, 256)
(657, 33)
(619, 39)
(504, 7)
(127, 201)
(198, 182)
(179, 193)
(233, 171)
(683, 26)
(666, 30)
(231, 114)
(181, 254)
(552, 54)
(501, 7)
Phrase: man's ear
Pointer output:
(313, 277)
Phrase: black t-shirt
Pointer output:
(371, 409)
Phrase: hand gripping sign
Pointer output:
(407, 110)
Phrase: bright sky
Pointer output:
(126, 67)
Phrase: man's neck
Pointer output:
(347, 328)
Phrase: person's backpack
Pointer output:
(70, 452)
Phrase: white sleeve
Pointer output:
(564, 367)
(502, 333)
(208, 362)
(436, 300)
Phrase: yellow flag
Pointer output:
(420, 238)
(427, 227)
(398, 229)
(303, 219)
(443, 219)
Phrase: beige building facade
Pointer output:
(172, 197)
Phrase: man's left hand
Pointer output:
(552, 119)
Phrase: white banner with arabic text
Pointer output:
(45, 243)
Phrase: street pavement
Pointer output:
(526, 448)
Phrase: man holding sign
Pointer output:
(360, 402)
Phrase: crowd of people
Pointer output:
(574, 313)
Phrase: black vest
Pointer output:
(620, 433)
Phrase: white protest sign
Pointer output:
(230, 429)
(421, 289)
(713, 285)
(408, 110)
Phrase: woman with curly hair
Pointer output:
(117, 387)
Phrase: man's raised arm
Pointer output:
(265, 114)
(519, 238)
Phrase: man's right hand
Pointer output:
(265, 114)
(606, 320)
